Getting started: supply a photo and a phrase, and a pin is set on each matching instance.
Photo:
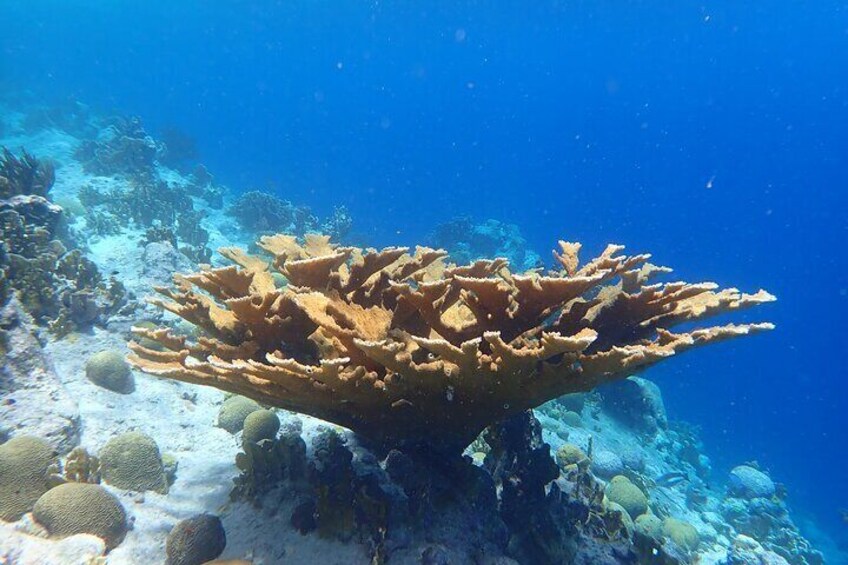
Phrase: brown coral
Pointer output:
(402, 347)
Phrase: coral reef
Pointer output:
(754, 508)
(408, 350)
(79, 508)
(123, 147)
(262, 213)
(60, 288)
(467, 241)
(637, 403)
(131, 461)
(109, 370)
(195, 541)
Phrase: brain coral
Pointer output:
(748, 482)
(606, 463)
(683, 534)
(108, 369)
(80, 508)
(259, 425)
(196, 540)
(233, 412)
(620, 490)
(132, 461)
(24, 462)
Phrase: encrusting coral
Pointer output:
(406, 349)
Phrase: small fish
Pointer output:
(670, 479)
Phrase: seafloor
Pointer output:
(602, 477)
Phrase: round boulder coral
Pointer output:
(132, 461)
(109, 370)
(748, 482)
(606, 464)
(194, 541)
(621, 491)
(572, 419)
(569, 454)
(683, 534)
(24, 463)
(259, 425)
(81, 508)
(233, 412)
(649, 525)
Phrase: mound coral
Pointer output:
(260, 425)
(621, 491)
(406, 349)
(195, 541)
(79, 508)
(132, 461)
(233, 412)
(24, 474)
(109, 370)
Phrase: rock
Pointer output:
(79, 508)
(633, 459)
(606, 464)
(748, 551)
(24, 475)
(32, 397)
(131, 461)
(621, 491)
(161, 261)
(637, 403)
(108, 369)
(747, 482)
(22, 549)
(233, 412)
(195, 541)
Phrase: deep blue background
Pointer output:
(713, 134)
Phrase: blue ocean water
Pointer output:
(712, 134)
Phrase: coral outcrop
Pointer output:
(404, 348)
(262, 213)
(60, 288)
(467, 241)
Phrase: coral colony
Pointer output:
(407, 348)
(452, 403)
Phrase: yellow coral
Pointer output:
(402, 347)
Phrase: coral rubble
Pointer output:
(406, 349)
